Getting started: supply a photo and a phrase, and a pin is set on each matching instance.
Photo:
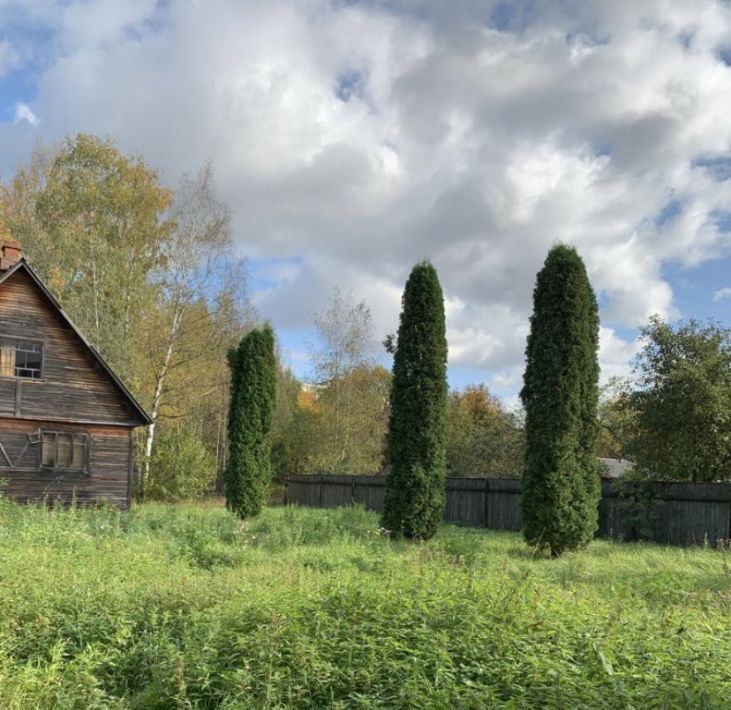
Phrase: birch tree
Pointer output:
(344, 345)
(197, 267)
(101, 233)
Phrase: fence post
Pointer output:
(487, 502)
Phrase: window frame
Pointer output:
(35, 341)
(64, 468)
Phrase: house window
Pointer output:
(21, 358)
(63, 450)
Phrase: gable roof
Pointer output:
(22, 264)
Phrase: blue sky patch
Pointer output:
(719, 167)
(669, 212)
(349, 84)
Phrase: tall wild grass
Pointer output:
(185, 607)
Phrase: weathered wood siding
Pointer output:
(74, 386)
(304, 492)
(675, 514)
(109, 465)
(368, 491)
(503, 506)
(466, 501)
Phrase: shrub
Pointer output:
(181, 467)
(414, 494)
(561, 486)
(251, 415)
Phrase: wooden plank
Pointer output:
(304, 490)
(671, 490)
(108, 467)
(368, 491)
(74, 384)
(504, 511)
(7, 396)
(465, 501)
(18, 397)
(506, 485)
(130, 469)
(336, 491)
(682, 513)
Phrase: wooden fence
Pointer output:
(669, 513)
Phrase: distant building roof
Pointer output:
(615, 468)
(312, 386)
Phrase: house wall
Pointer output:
(109, 469)
(74, 387)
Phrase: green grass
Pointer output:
(183, 606)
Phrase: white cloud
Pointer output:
(8, 57)
(615, 354)
(722, 293)
(353, 139)
(23, 113)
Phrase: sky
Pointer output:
(355, 138)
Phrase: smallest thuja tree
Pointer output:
(561, 487)
(414, 492)
(251, 414)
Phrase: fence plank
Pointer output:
(337, 491)
(465, 501)
(304, 490)
(678, 514)
(368, 491)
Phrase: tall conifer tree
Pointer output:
(414, 495)
(251, 414)
(561, 486)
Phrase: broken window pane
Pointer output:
(21, 358)
(78, 456)
(64, 451)
(48, 449)
(28, 359)
(7, 359)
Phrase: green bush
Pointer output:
(414, 492)
(561, 488)
(251, 415)
(181, 467)
(680, 400)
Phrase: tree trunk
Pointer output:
(127, 318)
(159, 388)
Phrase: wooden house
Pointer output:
(66, 419)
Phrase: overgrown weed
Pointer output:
(186, 606)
